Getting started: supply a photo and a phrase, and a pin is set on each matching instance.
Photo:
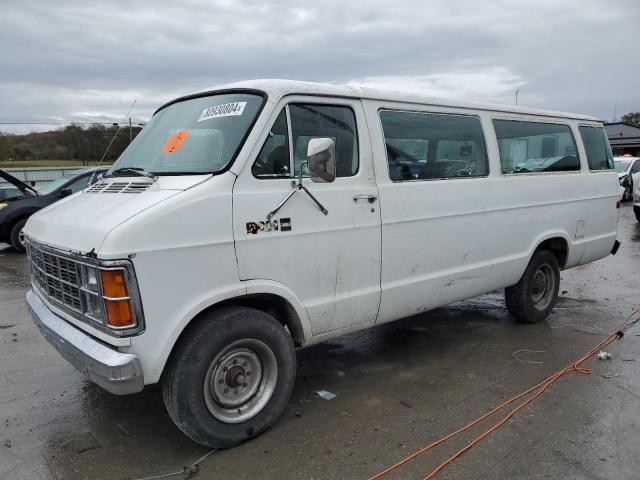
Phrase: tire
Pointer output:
(628, 193)
(230, 376)
(534, 296)
(17, 240)
(636, 210)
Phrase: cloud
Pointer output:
(91, 59)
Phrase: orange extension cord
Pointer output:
(536, 391)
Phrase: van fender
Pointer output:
(548, 235)
(195, 309)
(280, 289)
(238, 291)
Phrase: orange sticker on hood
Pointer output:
(175, 141)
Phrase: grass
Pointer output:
(46, 163)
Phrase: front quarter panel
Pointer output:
(184, 258)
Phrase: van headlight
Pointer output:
(106, 296)
(3, 205)
(103, 293)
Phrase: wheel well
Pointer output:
(274, 305)
(559, 247)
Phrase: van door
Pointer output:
(432, 175)
(331, 261)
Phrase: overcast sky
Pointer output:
(88, 61)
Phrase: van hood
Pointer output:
(81, 222)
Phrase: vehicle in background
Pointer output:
(254, 218)
(7, 193)
(22, 201)
(636, 196)
(627, 167)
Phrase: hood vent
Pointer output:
(118, 187)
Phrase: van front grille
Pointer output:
(56, 277)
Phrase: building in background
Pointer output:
(624, 138)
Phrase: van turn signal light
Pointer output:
(116, 299)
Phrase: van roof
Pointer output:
(276, 89)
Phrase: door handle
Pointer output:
(367, 196)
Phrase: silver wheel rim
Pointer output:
(543, 287)
(240, 381)
(21, 237)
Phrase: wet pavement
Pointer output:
(398, 387)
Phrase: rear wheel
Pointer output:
(534, 296)
(17, 237)
(636, 210)
(230, 377)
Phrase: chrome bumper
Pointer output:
(118, 373)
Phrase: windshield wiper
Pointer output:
(118, 172)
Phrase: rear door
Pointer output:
(330, 262)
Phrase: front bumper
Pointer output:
(116, 372)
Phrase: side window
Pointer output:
(596, 145)
(423, 146)
(527, 147)
(80, 184)
(273, 159)
(316, 121)
(636, 167)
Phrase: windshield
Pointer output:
(51, 186)
(622, 165)
(199, 135)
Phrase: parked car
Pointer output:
(636, 196)
(627, 168)
(207, 253)
(24, 200)
(8, 193)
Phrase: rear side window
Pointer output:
(596, 145)
(528, 147)
(429, 146)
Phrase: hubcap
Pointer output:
(21, 237)
(240, 381)
(542, 287)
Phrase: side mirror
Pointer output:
(65, 192)
(321, 160)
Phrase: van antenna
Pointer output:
(111, 142)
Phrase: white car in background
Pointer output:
(628, 169)
(636, 196)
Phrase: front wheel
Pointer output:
(17, 237)
(230, 377)
(534, 296)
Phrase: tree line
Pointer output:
(632, 118)
(72, 142)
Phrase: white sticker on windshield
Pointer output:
(226, 110)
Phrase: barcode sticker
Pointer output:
(226, 110)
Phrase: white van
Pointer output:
(250, 220)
